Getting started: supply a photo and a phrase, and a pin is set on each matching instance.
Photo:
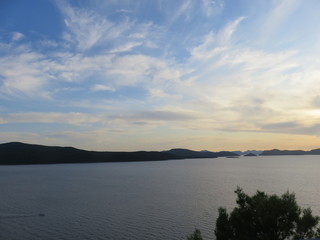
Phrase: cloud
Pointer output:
(130, 70)
(16, 36)
(73, 118)
(212, 7)
(215, 43)
(86, 28)
(100, 87)
(23, 72)
(89, 30)
(226, 33)
(281, 125)
(182, 10)
(247, 89)
(26, 72)
(292, 128)
(215, 84)
(279, 14)
(30, 73)
(160, 116)
(126, 48)
(154, 92)
(49, 43)
(102, 139)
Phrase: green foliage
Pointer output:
(196, 235)
(266, 217)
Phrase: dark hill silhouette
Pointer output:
(290, 152)
(282, 152)
(21, 153)
(186, 153)
(314, 152)
(250, 155)
(255, 152)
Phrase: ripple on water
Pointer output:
(141, 201)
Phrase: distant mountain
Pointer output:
(255, 152)
(290, 152)
(314, 152)
(250, 155)
(186, 153)
(21, 153)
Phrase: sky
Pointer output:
(159, 74)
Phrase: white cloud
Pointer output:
(279, 14)
(16, 36)
(87, 29)
(215, 43)
(100, 87)
(49, 43)
(183, 10)
(133, 69)
(208, 49)
(126, 48)
(242, 88)
(158, 93)
(31, 74)
(212, 7)
(74, 118)
(225, 35)
(24, 73)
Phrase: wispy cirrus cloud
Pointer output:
(212, 7)
(161, 116)
(100, 87)
(278, 15)
(182, 10)
(87, 29)
(215, 43)
(226, 33)
(186, 10)
(74, 118)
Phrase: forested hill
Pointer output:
(15, 153)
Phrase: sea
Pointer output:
(142, 200)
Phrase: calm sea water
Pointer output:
(142, 200)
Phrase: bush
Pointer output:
(266, 217)
(196, 235)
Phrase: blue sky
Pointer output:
(159, 74)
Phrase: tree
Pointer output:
(196, 235)
(266, 217)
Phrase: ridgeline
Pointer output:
(277, 152)
(15, 153)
